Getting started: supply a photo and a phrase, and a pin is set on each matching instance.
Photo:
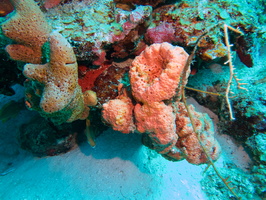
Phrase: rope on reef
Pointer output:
(232, 68)
(182, 88)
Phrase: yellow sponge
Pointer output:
(61, 94)
(28, 27)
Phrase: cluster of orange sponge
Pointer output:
(155, 77)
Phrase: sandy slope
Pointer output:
(120, 167)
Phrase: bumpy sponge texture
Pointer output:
(155, 73)
(28, 27)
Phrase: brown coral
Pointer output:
(106, 84)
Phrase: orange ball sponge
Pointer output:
(158, 120)
(119, 114)
(155, 73)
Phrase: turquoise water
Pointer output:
(131, 100)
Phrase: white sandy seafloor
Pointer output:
(120, 167)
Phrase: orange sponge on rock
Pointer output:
(158, 120)
(155, 73)
(119, 113)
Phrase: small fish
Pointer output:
(7, 171)
(11, 110)
(90, 134)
